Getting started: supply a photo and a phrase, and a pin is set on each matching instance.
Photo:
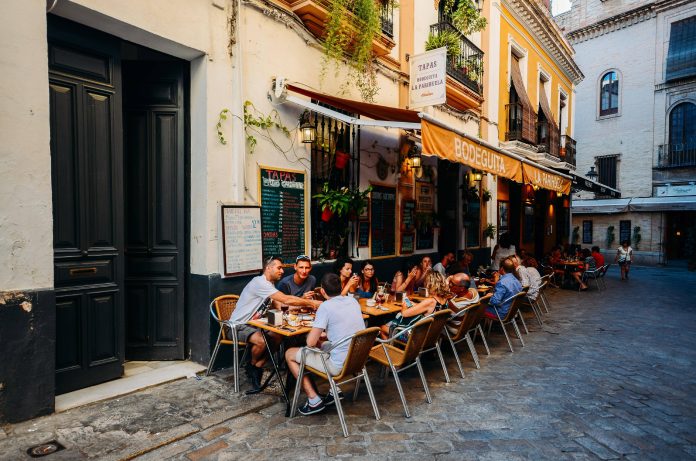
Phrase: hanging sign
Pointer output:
(428, 78)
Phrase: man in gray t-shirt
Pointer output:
(338, 317)
(301, 283)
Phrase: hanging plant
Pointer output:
(489, 231)
(466, 17)
(486, 195)
(353, 38)
(576, 234)
(636, 236)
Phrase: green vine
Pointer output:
(354, 40)
(466, 17)
(610, 236)
(254, 122)
(636, 237)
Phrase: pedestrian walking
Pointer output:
(624, 254)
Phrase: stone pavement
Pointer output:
(610, 375)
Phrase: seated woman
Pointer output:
(415, 276)
(438, 290)
(343, 267)
(589, 263)
(367, 285)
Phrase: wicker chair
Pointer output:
(469, 319)
(221, 310)
(399, 360)
(353, 370)
(510, 318)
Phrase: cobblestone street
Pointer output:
(610, 375)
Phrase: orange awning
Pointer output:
(456, 148)
(544, 179)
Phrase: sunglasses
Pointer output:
(303, 258)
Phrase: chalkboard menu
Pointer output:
(383, 220)
(425, 238)
(363, 233)
(408, 215)
(407, 243)
(282, 194)
(241, 239)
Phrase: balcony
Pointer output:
(467, 67)
(676, 155)
(520, 124)
(567, 151)
(548, 138)
(386, 17)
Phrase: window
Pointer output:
(587, 232)
(624, 231)
(681, 57)
(682, 125)
(606, 169)
(609, 94)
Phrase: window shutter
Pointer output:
(528, 114)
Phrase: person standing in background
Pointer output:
(624, 255)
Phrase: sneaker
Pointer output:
(308, 409)
(329, 398)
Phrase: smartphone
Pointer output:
(407, 302)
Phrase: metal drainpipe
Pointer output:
(50, 4)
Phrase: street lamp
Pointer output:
(477, 175)
(414, 157)
(309, 131)
(592, 174)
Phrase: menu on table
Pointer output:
(283, 199)
(241, 239)
(383, 221)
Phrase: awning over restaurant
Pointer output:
(683, 203)
(453, 145)
(581, 182)
(600, 206)
(384, 116)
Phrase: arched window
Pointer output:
(682, 126)
(609, 94)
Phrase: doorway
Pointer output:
(118, 152)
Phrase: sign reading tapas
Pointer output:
(428, 78)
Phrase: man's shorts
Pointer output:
(243, 332)
(313, 360)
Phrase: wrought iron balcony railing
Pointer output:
(467, 66)
(568, 150)
(676, 155)
(386, 16)
(548, 138)
(520, 124)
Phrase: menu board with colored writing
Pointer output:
(408, 215)
(383, 221)
(282, 194)
(241, 239)
(407, 243)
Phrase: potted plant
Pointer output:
(636, 237)
(610, 236)
(447, 38)
(341, 159)
(489, 231)
(486, 195)
(358, 202)
(576, 234)
(333, 201)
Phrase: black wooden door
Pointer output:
(154, 209)
(86, 156)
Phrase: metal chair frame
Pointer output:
(433, 341)
(324, 354)
(410, 344)
(222, 338)
(510, 318)
(595, 274)
(462, 335)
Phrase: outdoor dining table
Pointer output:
(376, 311)
(568, 266)
(285, 332)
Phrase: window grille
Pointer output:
(606, 169)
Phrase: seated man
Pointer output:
(598, 256)
(534, 278)
(337, 317)
(461, 284)
(444, 263)
(254, 295)
(301, 283)
(506, 287)
(463, 265)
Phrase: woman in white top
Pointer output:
(623, 256)
(502, 250)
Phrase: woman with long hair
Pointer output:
(343, 267)
(624, 254)
(438, 297)
(415, 277)
(367, 285)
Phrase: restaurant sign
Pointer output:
(428, 78)
(451, 146)
(544, 179)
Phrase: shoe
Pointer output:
(254, 374)
(308, 409)
(329, 398)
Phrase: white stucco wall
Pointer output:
(26, 222)
(630, 51)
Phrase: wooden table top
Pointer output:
(280, 330)
(391, 308)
